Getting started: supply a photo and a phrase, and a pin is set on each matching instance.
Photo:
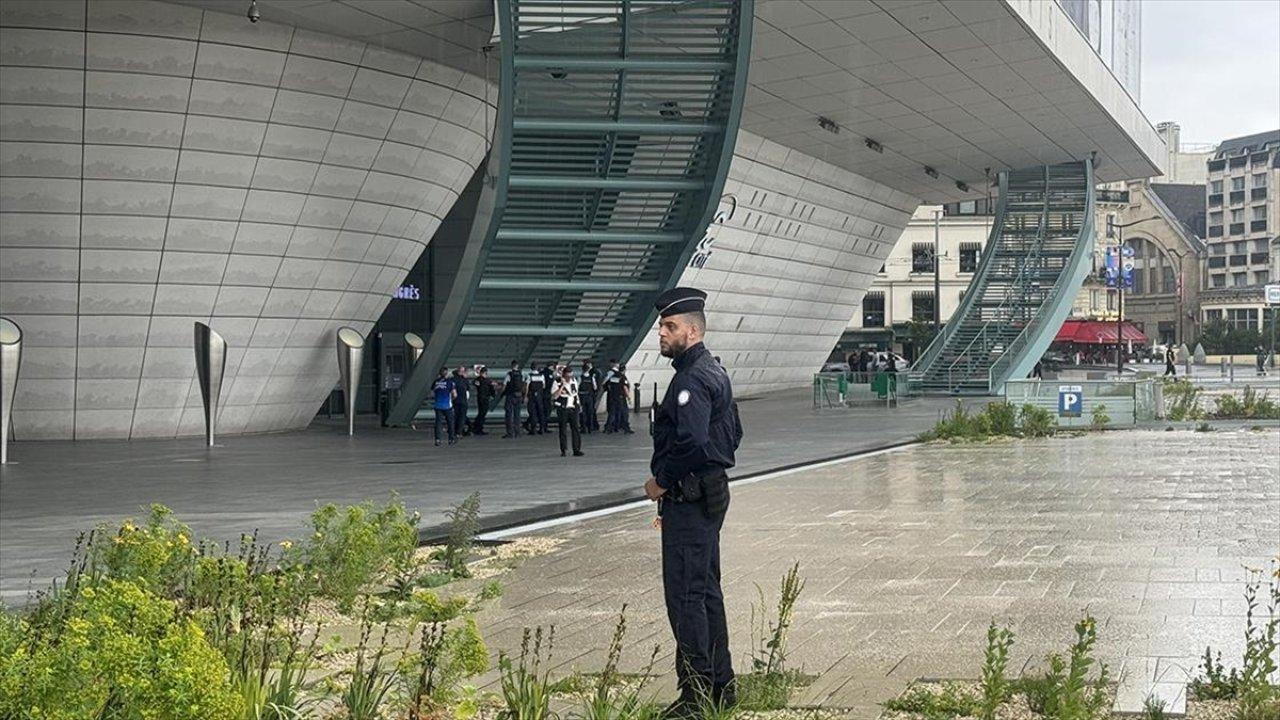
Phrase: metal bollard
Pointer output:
(1232, 365)
(1223, 364)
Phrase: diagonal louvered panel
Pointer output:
(616, 124)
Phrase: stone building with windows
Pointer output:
(1243, 209)
(903, 290)
(1168, 254)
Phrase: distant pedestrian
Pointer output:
(1261, 357)
(891, 363)
(565, 396)
(484, 397)
(461, 401)
(535, 396)
(443, 394)
(1170, 368)
(612, 394)
(1037, 372)
(624, 417)
(588, 393)
(512, 397)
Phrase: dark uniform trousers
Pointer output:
(695, 603)
(511, 406)
(590, 423)
(459, 417)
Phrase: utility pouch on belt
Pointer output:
(711, 490)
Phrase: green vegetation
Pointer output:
(995, 686)
(1182, 400)
(997, 419)
(1099, 419)
(148, 624)
(526, 682)
(351, 546)
(1065, 691)
(1222, 338)
(1251, 405)
(768, 685)
(464, 523)
(1254, 684)
(1153, 708)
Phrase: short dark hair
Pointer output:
(515, 363)
(698, 319)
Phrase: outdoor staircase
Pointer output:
(1032, 267)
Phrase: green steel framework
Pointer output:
(615, 128)
(1033, 264)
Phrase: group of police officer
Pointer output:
(544, 388)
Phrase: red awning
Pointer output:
(1095, 332)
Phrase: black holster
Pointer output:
(711, 489)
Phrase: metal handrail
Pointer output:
(1019, 281)
(979, 279)
(1068, 284)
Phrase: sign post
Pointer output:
(1272, 294)
(1070, 400)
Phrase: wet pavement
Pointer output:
(907, 555)
(52, 490)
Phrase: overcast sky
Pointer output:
(1213, 66)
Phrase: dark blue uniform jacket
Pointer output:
(696, 429)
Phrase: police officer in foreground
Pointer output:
(696, 431)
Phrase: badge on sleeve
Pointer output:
(682, 398)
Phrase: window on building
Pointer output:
(1242, 318)
(1259, 180)
(921, 257)
(1212, 315)
(1139, 286)
(1239, 279)
(1237, 215)
(1215, 217)
(873, 310)
(1240, 247)
(968, 207)
(1260, 277)
(1168, 279)
(1237, 183)
(969, 257)
(922, 305)
(1260, 213)
(1215, 187)
(1218, 249)
(1260, 245)
(1219, 281)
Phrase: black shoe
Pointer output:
(725, 696)
(561, 453)
(437, 443)
(578, 453)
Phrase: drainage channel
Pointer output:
(540, 517)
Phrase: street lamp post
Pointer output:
(937, 295)
(1118, 229)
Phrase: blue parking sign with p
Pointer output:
(1070, 400)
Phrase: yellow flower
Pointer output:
(182, 538)
(129, 527)
(286, 544)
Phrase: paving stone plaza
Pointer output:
(907, 555)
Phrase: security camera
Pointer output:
(253, 14)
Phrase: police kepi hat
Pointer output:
(680, 300)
